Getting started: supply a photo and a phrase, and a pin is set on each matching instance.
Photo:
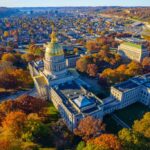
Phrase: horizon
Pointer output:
(77, 3)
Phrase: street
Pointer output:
(31, 92)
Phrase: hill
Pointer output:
(4, 12)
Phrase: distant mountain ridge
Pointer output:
(4, 11)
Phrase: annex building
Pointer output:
(56, 81)
(132, 51)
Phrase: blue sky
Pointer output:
(42, 3)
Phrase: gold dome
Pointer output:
(53, 48)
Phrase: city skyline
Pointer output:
(62, 3)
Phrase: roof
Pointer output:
(133, 45)
(83, 101)
(125, 86)
(73, 72)
(74, 96)
(40, 80)
(54, 49)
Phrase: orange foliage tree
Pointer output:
(14, 123)
(92, 70)
(29, 104)
(89, 127)
(106, 140)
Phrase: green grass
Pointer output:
(111, 125)
(132, 113)
(132, 45)
(52, 112)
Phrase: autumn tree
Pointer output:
(110, 75)
(9, 57)
(76, 50)
(23, 78)
(29, 104)
(6, 34)
(92, 70)
(28, 57)
(35, 130)
(89, 127)
(81, 64)
(13, 124)
(146, 64)
(10, 144)
(132, 140)
(143, 126)
(109, 141)
(7, 81)
(91, 45)
(134, 68)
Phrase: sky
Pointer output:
(46, 3)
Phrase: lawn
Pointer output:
(111, 125)
(52, 112)
(132, 113)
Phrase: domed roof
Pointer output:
(53, 48)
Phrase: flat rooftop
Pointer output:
(74, 95)
(41, 80)
(70, 90)
(132, 45)
(147, 85)
(125, 86)
(139, 79)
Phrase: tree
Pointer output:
(92, 70)
(35, 131)
(28, 57)
(81, 64)
(6, 66)
(110, 74)
(146, 64)
(7, 80)
(109, 141)
(90, 146)
(6, 33)
(10, 144)
(14, 124)
(134, 68)
(105, 47)
(143, 126)
(132, 140)
(89, 127)
(9, 57)
(76, 50)
(81, 145)
(23, 78)
(29, 104)
(103, 54)
(91, 45)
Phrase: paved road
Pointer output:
(119, 121)
(31, 92)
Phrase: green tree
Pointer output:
(132, 140)
(35, 131)
(143, 126)
(81, 145)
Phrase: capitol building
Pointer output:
(57, 82)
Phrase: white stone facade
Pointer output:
(133, 51)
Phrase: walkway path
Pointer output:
(31, 92)
(119, 121)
